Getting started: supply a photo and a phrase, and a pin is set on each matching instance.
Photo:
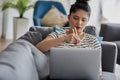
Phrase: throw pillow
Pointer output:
(54, 17)
(57, 28)
(100, 39)
(32, 37)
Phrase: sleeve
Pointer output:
(95, 43)
(54, 34)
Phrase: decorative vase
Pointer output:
(20, 27)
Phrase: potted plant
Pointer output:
(20, 23)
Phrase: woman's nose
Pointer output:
(80, 22)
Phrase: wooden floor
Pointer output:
(5, 42)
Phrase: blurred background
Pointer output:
(102, 11)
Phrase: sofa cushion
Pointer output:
(17, 63)
(118, 47)
(110, 31)
(40, 59)
(109, 56)
(32, 37)
(90, 30)
(43, 30)
(46, 30)
(54, 17)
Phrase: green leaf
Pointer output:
(6, 5)
(20, 5)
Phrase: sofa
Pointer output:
(111, 33)
(21, 60)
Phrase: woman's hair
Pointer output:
(80, 4)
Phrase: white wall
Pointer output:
(0, 23)
(66, 4)
(8, 22)
(1, 1)
(1, 19)
(95, 14)
(111, 10)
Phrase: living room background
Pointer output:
(101, 9)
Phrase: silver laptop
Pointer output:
(75, 63)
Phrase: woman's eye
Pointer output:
(84, 20)
(75, 18)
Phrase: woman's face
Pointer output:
(78, 20)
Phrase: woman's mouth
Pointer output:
(77, 27)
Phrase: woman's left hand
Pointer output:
(76, 36)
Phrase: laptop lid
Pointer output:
(75, 63)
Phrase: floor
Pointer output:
(5, 42)
(117, 72)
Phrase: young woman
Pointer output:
(78, 18)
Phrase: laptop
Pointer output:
(75, 63)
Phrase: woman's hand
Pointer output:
(73, 37)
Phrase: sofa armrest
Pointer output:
(17, 63)
(109, 56)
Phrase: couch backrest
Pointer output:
(109, 49)
(110, 31)
(46, 30)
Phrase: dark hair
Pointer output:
(80, 4)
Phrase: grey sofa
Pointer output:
(21, 60)
(111, 33)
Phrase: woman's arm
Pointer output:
(49, 42)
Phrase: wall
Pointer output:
(111, 10)
(66, 4)
(0, 23)
(95, 14)
(1, 14)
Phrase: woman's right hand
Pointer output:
(73, 37)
